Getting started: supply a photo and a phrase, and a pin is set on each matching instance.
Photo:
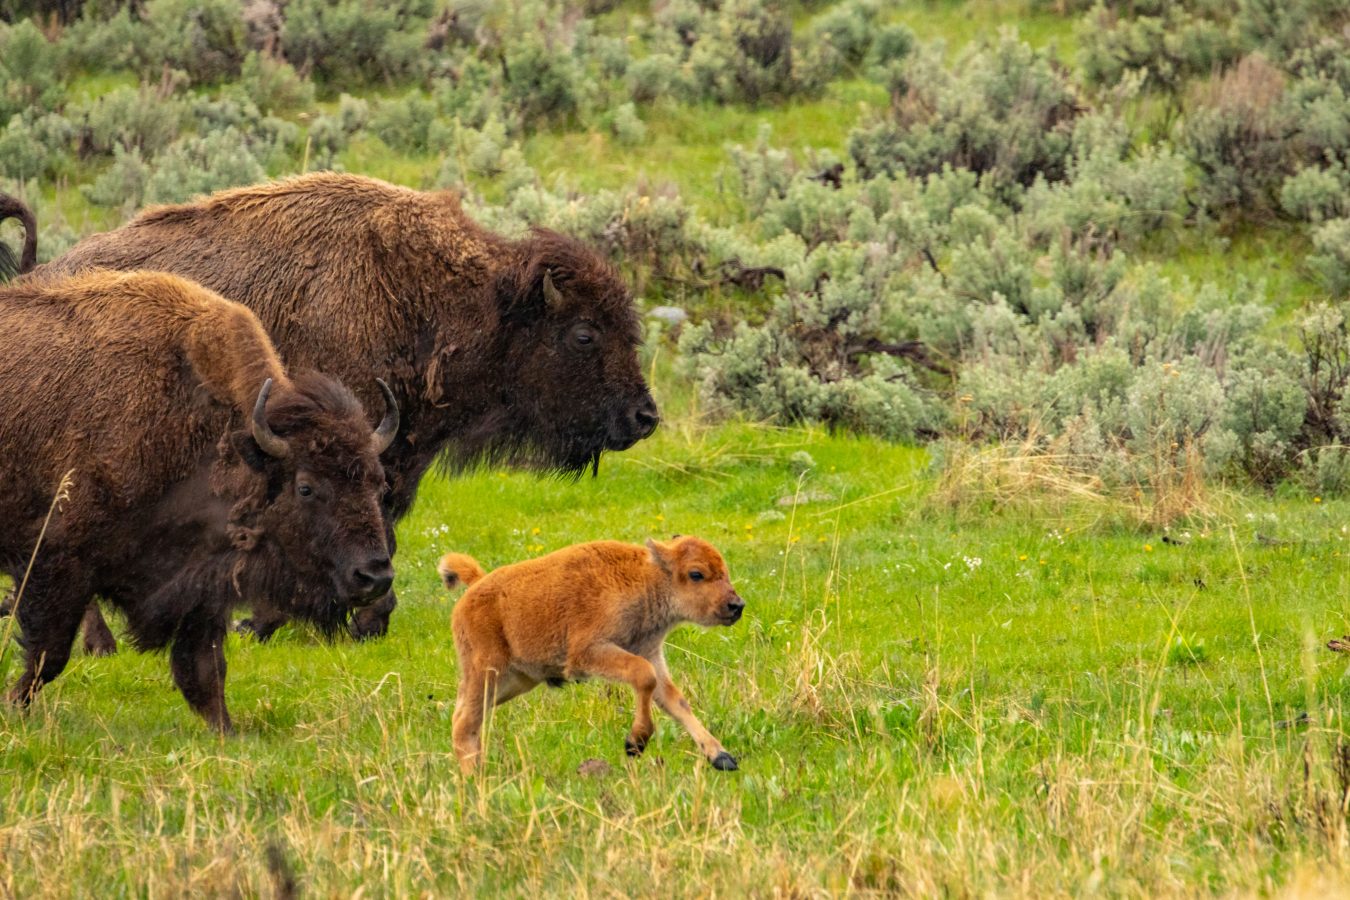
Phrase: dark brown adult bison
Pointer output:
(201, 474)
(520, 351)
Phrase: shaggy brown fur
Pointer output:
(362, 279)
(144, 386)
(599, 609)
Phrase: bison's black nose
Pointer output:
(645, 418)
(735, 606)
(627, 428)
(373, 578)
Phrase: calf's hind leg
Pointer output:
(479, 688)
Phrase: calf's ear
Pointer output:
(660, 555)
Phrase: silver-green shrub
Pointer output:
(197, 165)
(135, 119)
(30, 74)
(1006, 113)
(1330, 259)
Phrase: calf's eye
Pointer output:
(695, 576)
(304, 490)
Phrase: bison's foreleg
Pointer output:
(613, 662)
(197, 659)
(49, 618)
(669, 698)
(98, 638)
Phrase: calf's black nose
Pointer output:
(734, 608)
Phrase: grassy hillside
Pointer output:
(1035, 699)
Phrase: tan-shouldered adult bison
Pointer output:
(522, 351)
(202, 474)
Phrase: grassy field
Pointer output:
(1034, 699)
(931, 692)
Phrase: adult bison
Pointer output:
(520, 351)
(201, 474)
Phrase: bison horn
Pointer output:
(262, 433)
(552, 295)
(384, 435)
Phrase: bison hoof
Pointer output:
(725, 762)
(244, 626)
(633, 747)
(100, 648)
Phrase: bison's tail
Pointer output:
(13, 208)
(459, 569)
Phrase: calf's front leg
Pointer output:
(613, 662)
(669, 698)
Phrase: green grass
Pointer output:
(960, 23)
(922, 700)
(1271, 256)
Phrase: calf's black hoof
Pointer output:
(632, 747)
(725, 762)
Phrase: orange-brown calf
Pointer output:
(600, 609)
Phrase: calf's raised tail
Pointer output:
(13, 208)
(458, 569)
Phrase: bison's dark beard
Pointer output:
(264, 577)
(224, 581)
(320, 608)
(499, 443)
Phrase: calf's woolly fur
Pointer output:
(598, 609)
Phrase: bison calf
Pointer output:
(203, 474)
(599, 609)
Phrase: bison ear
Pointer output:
(249, 451)
(530, 293)
(660, 555)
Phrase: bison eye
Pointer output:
(583, 337)
(696, 575)
(304, 490)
